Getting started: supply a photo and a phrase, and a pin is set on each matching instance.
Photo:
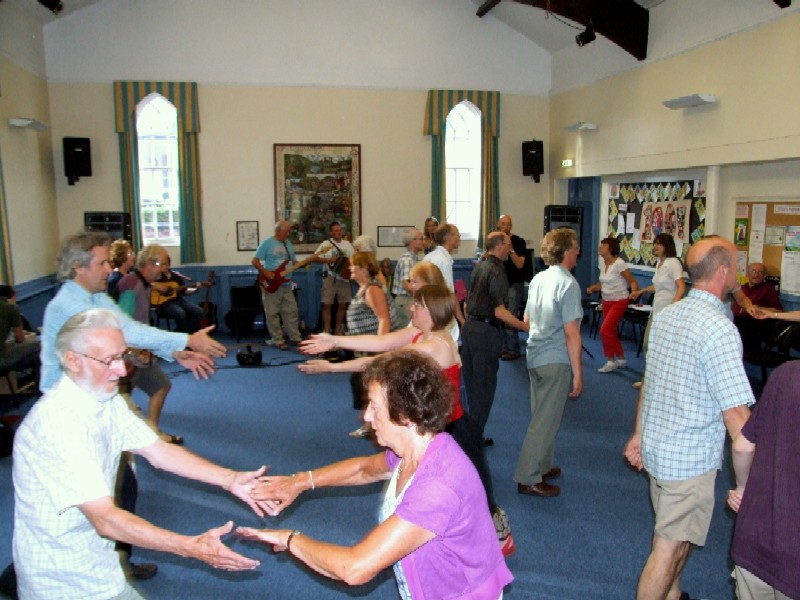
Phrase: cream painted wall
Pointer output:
(240, 124)
(27, 173)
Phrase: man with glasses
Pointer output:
(414, 242)
(134, 298)
(65, 517)
(760, 293)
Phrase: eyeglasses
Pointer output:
(156, 262)
(107, 362)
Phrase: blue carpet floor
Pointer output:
(588, 543)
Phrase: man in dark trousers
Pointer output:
(482, 335)
(515, 272)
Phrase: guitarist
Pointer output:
(273, 256)
(187, 315)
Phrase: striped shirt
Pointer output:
(694, 372)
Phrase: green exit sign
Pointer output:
(567, 162)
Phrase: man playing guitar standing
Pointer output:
(273, 259)
(336, 285)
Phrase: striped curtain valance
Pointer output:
(441, 102)
(183, 95)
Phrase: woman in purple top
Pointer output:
(435, 526)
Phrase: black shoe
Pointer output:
(143, 571)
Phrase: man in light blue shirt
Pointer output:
(554, 314)
(83, 266)
(695, 389)
(273, 258)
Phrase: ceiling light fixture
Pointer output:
(56, 6)
(587, 36)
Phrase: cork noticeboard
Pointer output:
(765, 232)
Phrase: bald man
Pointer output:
(695, 389)
(280, 307)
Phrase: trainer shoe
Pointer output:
(608, 367)
(621, 363)
(501, 524)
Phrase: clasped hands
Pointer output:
(274, 493)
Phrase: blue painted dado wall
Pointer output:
(33, 296)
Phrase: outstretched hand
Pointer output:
(201, 341)
(208, 547)
(275, 493)
(198, 363)
(242, 485)
(276, 537)
(318, 343)
(315, 367)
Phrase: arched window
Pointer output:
(159, 175)
(463, 169)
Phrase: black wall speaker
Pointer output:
(77, 158)
(533, 159)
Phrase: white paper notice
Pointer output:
(756, 245)
(636, 240)
(742, 211)
(759, 218)
(630, 225)
(790, 273)
(741, 263)
(620, 224)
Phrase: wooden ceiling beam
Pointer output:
(487, 6)
(624, 22)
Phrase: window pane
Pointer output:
(159, 197)
(463, 169)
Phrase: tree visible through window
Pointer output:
(159, 197)
(463, 169)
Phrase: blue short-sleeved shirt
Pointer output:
(554, 299)
(694, 372)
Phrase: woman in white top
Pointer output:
(613, 287)
(668, 283)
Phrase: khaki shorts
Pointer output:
(339, 289)
(151, 378)
(683, 508)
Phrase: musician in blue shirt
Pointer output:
(273, 257)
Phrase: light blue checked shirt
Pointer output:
(402, 272)
(694, 372)
(72, 299)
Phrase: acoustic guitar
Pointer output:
(164, 291)
(271, 285)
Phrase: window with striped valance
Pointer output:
(183, 95)
(438, 106)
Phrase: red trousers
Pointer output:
(613, 311)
